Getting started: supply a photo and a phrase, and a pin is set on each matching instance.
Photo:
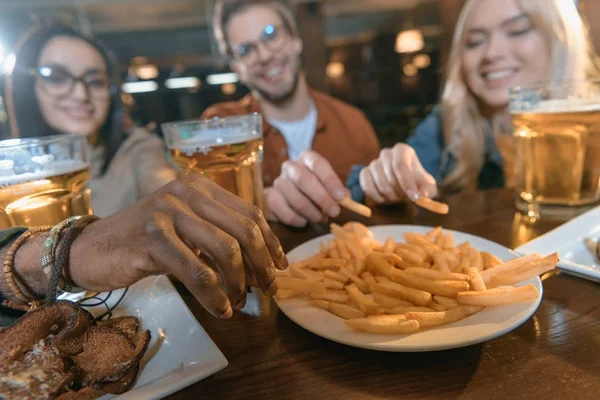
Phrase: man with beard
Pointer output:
(311, 140)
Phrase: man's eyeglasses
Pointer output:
(272, 36)
(60, 83)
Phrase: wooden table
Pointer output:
(554, 355)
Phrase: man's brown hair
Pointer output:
(225, 10)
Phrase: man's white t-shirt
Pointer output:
(299, 134)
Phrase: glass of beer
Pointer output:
(228, 151)
(43, 180)
(557, 148)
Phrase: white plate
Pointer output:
(185, 355)
(485, 325)
(568, 241)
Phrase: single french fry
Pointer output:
(332, 250)
(476, 259)
(405, 309)
(436, 275)
(435, 233)
(333, 284)
(362, 285)
(393, 259)
(286, 294)
(432, 205)
(489, 260)
(380, 278)
(300, 285)
(445, 301)
(380, 265)
(345, 311)
(336, 276)
(358, 208)
(342, 249)
(476, 282)
(328, 263)
(445, 288)
(388, 246)
(383, 324)
(450, 242)
(415, 296)
(366, 305)
(388, 302)
(508, 266)
(416, 238)
(430, 319)
(368, 278)
(334, 296)
(527, 271)
(410, 256)
(498, 296)
(442, 262)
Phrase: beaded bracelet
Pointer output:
(8, 264)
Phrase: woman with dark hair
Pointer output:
(65, 82)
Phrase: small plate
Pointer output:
(568, 241)
(488, 324)
(180, 354)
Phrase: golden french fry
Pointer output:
(379, 279)
(430, 249)
(359, 230)
(416, 238)
(300, 285)
(445, 301)
(435, 233)
(410, 256)
(449, 242)
(333, 284)
(366, 248)
(383, 324)
(527, 271)
(345, 311)
(362, 285)
(388, 302)
(342, 249)
(508, 266)
(366, 305)
(430, 319)
(319, 304)
(388, 246)
(355, 249)
(380, 265)
(415, 296)
(333, 296)
(440, 241)
(432, 205)
(476, 282)
(445, 288)
(415, 248)
(286, 294)
(498, 296)
(436, 275)
(358, 208)
(303, 273)
(332, 250)
(309, 260)
(328, 263)
(489, 260)
(393, 259)
(439, 307)
(359, 266)
(336, 276)
(405, 309)
(476, 259)
(322, 249)
(368, 278)
(442, 262)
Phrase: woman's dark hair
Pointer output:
(25, 116)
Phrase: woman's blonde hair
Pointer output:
(572, 58)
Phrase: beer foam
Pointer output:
(562, 106)
(11, 175)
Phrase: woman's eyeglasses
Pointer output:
(57, 82)
(273, 37)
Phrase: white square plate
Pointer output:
(568, 241)
(184, 355)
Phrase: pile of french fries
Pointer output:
(400, 288)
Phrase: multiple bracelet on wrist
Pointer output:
(55, 257)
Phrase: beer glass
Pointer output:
(557, 148)
(228, 151)
(43, 180)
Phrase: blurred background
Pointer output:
(384, 56)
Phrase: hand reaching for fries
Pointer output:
(401, 288)
(397, 175)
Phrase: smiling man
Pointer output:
(311, 139)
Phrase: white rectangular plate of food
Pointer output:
(181, 352)
(485, 325)
(568, 240)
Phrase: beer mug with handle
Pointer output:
(43, 180)
(557, 143)
(228, 151)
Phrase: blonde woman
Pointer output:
(498, 44)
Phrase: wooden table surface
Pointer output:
(554, 355)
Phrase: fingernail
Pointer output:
(334, 211)
(412, 194)
(227, 314)
(338, 193)
(241, 304)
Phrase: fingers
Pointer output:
(278, 206)
(427, 186)
(298, 201)
(323, 170)
(381, 181)
(368, 186)
(175, 258)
